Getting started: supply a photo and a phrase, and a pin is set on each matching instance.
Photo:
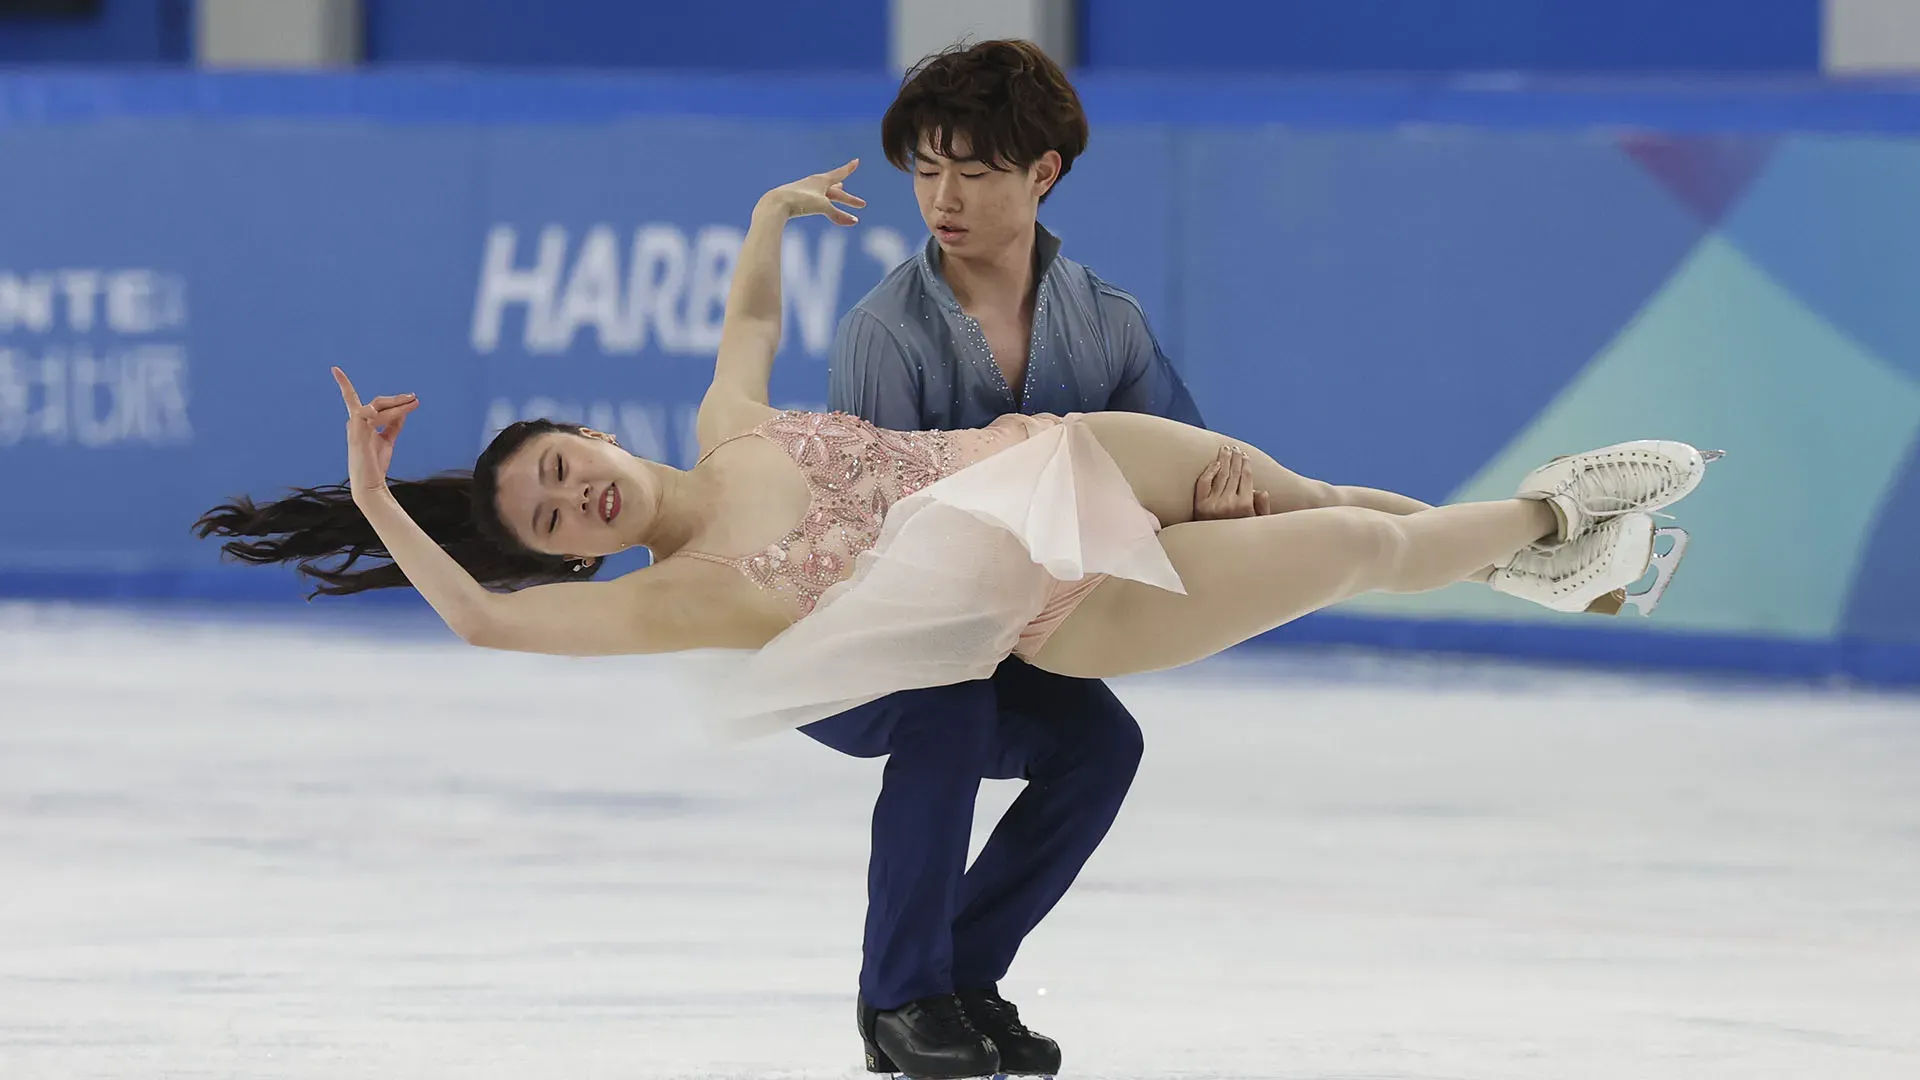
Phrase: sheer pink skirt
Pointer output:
(981, 565)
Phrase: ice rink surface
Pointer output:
(306, 849)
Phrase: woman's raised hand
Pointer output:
(818, 194)
(371, 431)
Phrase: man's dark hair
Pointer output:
(1007, 99)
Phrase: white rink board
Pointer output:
(284, 850)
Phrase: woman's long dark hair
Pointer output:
(313, 525)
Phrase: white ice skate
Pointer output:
(1594, 572)
(1626, 478)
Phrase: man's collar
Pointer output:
(1046, 248)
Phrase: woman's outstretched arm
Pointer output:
(591, 618)
(750, 333)
(642, 612)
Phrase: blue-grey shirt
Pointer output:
(907, 358)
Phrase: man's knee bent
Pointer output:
(1103, 756)
(1066, 725)
(1118, 760)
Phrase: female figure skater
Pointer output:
(853, 562)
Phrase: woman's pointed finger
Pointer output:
(346, 390)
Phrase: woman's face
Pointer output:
(579, 496)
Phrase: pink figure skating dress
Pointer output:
(926, 558)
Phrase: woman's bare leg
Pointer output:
(1247, 576)
(1161, 457)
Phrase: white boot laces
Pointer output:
(1616, 486)
(1559, 562)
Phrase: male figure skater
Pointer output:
(989, 318)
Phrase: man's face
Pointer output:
(973, 210)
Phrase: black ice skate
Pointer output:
(929, 1039)
(1022, 1052)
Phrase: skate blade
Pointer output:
(1663, 567)
(1711, 456)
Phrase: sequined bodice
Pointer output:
(854, 472)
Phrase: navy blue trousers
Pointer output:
(934, 925)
